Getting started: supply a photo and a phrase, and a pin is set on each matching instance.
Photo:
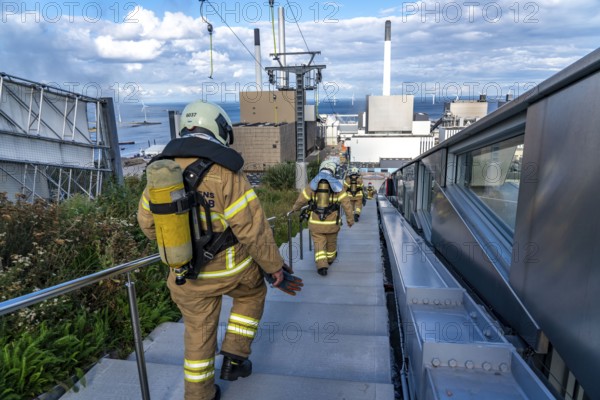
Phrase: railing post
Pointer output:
(137, 337)
(289, 218)
(301, 240)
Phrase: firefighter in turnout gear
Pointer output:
(354, 187)
(233, 247)
(325, 194)
(370, 191)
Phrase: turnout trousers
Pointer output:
(356, 204)
(200, 305)
(325, 248)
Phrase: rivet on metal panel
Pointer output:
(425, 301)
(415, 300)
(503, 367)
(487, 332)
(487, 366)
(469, 364)
(436, 362)
(473, 314)
(436, 302)
(448, 302)
(453, 363)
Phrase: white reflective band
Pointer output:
(227, 272)
(200, 364)
(241, 330)
(198, 377)
(240, 319)
(215, 216)
(240, 203)
(341, 196)
(307, 197)
(313, 221)
(331, 253)
(230, 257)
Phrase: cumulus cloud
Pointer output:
(167, 53)
(127, 50)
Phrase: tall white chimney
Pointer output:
(387, 58)
(283, 79)
(257, 56)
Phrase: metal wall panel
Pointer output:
(455, 241)
(558, 213)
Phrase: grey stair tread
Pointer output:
(348, 320)
(118, 379)
(325, 354)
(270, 387)
(339, 277)
(345, 264)
(327, 294)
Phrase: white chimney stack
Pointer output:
(258, 58)
(283, 81)
(387, 58)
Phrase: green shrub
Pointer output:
(280, 176)
(43, 244)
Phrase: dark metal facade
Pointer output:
(524, 240)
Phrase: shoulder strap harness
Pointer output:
(206, 243)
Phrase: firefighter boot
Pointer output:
(322, 271)
(234, 368)
(356, 217)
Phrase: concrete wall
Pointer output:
(260, 107)
(367, 148)
(470, 109)
(265, 145)
(390, 113)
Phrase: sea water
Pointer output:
(135, 138)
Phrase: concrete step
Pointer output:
(322, 353)
(118, 379)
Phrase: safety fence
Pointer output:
(16, 304)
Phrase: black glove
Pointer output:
(290, 284)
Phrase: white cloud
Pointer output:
(127, 50)
(169, 56)
(133, 67)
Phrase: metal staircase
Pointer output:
(329, 342)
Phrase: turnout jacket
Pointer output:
(331, 224)
(233, 203)
(359, 187)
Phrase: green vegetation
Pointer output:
(44, 244)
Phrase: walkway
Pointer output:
(329, 342)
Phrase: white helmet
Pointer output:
(201, 117)
(354, 171)
(328, 165)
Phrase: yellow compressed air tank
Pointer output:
(323, 194)
(173, 235)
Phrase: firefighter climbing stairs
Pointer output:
(329, 342)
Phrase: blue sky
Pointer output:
(159, 50)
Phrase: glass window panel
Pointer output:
(493, 174)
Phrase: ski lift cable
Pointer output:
(210, 33)
(232, 31)
(298, 25)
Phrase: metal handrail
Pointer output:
(30, 299)
(289, 221)
(12, 305)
